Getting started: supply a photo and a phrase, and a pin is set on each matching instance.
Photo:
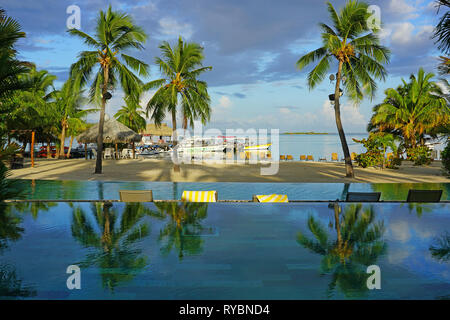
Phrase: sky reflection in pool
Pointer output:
(224, 251)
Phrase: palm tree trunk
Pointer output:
(49, 153)
(340, 128)
(63, 138)
(70, 146)
(134, 150)
(176, 167)
(101, 122)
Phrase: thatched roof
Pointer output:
(154, 130)
(113, 132)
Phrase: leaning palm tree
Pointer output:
(180, 66)
(412, 110)
(131, 115)
(115, 32)
(360, 59)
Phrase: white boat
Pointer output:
(201, 144)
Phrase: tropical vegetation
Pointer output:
(115, 33)
(359, 55)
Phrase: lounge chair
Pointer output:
(289, 157)
(136, 195)
(108, 153)
(282, 157)
(199, 196)
(424, 195)
(363, 196)
(310, 158)
(274, 198)
(302, 158)
(353, 156)
(334, 157)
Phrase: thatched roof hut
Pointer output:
(113, 132)
(154, 130)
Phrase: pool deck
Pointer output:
(162, 170)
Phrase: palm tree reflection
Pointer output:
(440, 250)
(358, 244)
(112, 236)
(183, 228)
(10, 285)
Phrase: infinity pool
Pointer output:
(224, 251)
(101, 190)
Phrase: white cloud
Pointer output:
(170, 27)
(401, 7)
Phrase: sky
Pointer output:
(252, 46)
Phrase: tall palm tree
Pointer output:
(412, 110)
(180, 66)
(359, 56)
(131, 115)
(115, 33)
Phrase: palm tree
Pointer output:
(360, 59)
(68, 101)
(115, 32)
(442, 30)
(358, 244)
(10, 67)
(412, 110)
(180, 66)
(131, 115)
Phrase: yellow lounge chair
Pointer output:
(289, 157)
(310, 158)
(282, 157)
(334, 157)
(353, 156)
(199, 196)
(136, 195)
(273, 198)
(303, 158)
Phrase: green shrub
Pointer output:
(393, 163)
(445, 155)
(369, 159)
(8, 189)
(419, 155)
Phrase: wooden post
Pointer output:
(85, 151)
(32, 149)
(117, 152)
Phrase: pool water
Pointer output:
(224, 250)
(101, 190)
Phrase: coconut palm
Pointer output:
(440, 249)
(10, 67)
(359, 56)
(68, 103)
(131, 115)
(180, 66)
(358, 244)
(115, 33)
(412, 110)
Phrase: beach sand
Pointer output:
(162, 170)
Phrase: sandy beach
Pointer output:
(161, 170)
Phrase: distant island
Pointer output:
(305, 132)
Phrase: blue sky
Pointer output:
(252, 46)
